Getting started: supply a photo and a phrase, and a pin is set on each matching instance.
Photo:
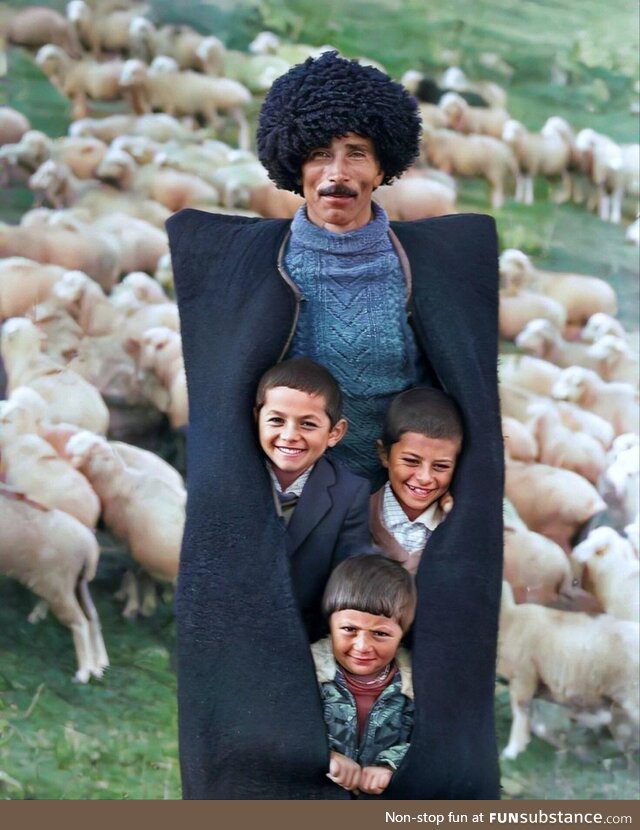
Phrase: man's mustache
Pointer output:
(337, 190)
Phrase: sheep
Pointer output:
(55, 556)
(416, 197)
(157, 126)
(31, 466)
(559, 446)
(160, 350)
(141, 244)
(600, 324)
(547, 153)
(555, 502)
(13, 125)
(80, 80)
(613, 168)
(579, 294)
(69, 397)
(632, 233)
(178, 42)
(538, 570)
(585, 662)
(529, 373)
(611, 571)
(187, 93)
(615, 402)
(519, 443)
(471, 155)
(37, 25)
(542, 339)
(146, 512)
(24, 283)
(102, 30)
(464, 118)
(80, 249)
(455, 79)
(619, 484)
(518, 308)
(170, 188)
(616, 361)
(86, 302)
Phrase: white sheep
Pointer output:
(179, 42)
(187, 93)
(529, 373)
(619, 484)
(611, 571)
(25, 283)
(100, 29)
(465, 118)
(542, 339)
(455, 79)
(615, 402)
(616, 360)
(519, 307)
(415, 196)
(13, 125)
(519, 443)
(157, 126)
(614, 169)
(581, 295)
(145, 512)
(589, 663)
(55, 556)
(37, 25)
(80, 80)
(471, 155)
(600, 324)
(547, 153)
(550, 500)
(69, 397)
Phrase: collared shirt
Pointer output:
(412, 535)
(286, 500)
(296, 487)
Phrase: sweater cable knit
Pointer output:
(353, 320)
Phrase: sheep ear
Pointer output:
(132, 346)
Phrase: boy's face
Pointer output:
(363, 644)
(420, 469)
(295, 431)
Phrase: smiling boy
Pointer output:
(420, 443)
(323, 504)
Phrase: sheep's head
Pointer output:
(20, 335)
(608, 348)
(264, 43)
(85, 445)
(116, 165)
(51, 59)
(516, 270)
(536, 337)
(600, 324)
(71, 286)
(572, 384)
(145, 288)
(134, 72)
(78, 11)
(599, 542)
(512, 130)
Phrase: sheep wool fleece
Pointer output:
(250, 717)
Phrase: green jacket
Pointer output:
(388, 728)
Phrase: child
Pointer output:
(365, 681)
(323, 504)
(421, 440)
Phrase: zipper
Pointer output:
(297, 294)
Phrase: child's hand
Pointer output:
(446, 503)
(374, 780)
(344, 771)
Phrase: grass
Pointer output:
(116, 738)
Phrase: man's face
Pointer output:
(338, 181)
(362, 643)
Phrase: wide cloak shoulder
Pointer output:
(249, 712)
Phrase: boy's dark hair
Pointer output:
(306, 375)
(373, 584)
(424, 410)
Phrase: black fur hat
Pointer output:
(325, 98)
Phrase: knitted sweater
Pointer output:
(353, 320)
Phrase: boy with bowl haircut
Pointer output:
(365, 679)
(323, 504)
(420, 443)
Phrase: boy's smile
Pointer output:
(295, 431)
(420, 470)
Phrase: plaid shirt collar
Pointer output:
(395, 518)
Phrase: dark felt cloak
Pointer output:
(250, 720)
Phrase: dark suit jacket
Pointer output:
(330, 523)
(250, 717)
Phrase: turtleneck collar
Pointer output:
(372, 237)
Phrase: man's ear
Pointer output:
(383, 455)
(379, 179)
(338, 431)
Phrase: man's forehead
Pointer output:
(349, 139)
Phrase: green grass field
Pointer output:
(116, 739)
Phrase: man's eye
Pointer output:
(274, 420)
(309, 424)
(412, 461)
(381, 634)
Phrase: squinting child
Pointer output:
(323, 504)
(420, 443)
(365, 680)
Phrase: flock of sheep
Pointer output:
(93, 364)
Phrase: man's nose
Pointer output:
(424, 475)
(338, 170)
(361, 642)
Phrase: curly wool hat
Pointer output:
(327, 97)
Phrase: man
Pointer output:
(383, 306)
